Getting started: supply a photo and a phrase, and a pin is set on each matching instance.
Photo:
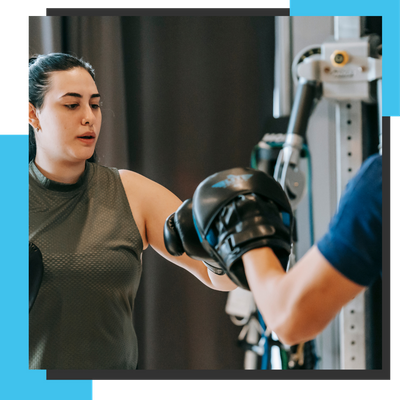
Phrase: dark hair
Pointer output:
(40, 68)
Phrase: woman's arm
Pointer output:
(299, 304)
(151, 204)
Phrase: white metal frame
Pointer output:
(350, 327)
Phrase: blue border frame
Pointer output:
(17, 380)
(390, 12)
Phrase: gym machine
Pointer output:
(346, 70)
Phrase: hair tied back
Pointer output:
(30, 61)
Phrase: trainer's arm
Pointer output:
(299, 304)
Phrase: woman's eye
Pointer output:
(75, 105)
(71, 106)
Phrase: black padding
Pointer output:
(238, 210)
(183, 221)
(180, 236)
(35, 272)
(219, 189)
(172, 241)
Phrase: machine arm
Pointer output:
(286, 171)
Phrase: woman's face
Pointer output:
(70, 119)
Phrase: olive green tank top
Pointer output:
(83, 315)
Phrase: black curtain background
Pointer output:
(203, 83)
(184, 97)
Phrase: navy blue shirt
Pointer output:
(353, 243)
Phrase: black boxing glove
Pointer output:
(238, 210)
(180, 237)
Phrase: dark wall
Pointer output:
(200, 92)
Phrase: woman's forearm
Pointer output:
(221, 282)
(202, 273)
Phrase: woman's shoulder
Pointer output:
(136, 182)
(151, 203)
(131, 179)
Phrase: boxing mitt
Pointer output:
(35, 272)
(180, 237)
(241, 209)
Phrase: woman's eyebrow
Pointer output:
(79, 95)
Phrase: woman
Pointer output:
(91, 224)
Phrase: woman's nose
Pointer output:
(88, 116)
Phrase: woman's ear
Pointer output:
(33, 119)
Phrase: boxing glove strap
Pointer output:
(215, 270)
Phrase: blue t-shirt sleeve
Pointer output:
(353, 243)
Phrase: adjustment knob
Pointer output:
(339, 58)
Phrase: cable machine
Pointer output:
(346, 70)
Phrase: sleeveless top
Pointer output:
(83, 315)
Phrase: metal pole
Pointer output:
(282, 96)
(349, 160)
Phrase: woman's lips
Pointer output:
(87, 141)
(88, 137)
